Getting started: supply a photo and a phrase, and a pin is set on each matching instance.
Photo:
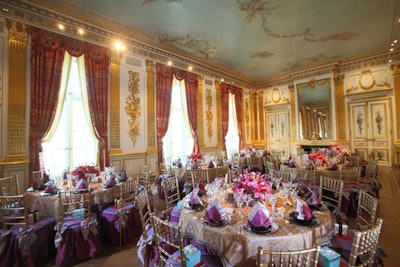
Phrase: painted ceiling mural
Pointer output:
(253, 39)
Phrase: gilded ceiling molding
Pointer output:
(132, 107)
(209, 114)
(104, 35)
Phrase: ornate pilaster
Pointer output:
(261, 121)
(340, 107)
(200, 113)
(220, 143)
(293, 127)
(151, 100)
(115, 71)
(17, 58)
(396, 83)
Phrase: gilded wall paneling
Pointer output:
(368, 80)
(219, 119)
(246, 117)
(115, 74)
(396, 86)
(151, 107)
(17, 75)
(340, 108)
(210, 115)
(276, 96)
(200, 112)
(133, 110)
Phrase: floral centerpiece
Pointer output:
(82, 175)
(195, 159)
(254, 184)
(248, 152)
(318, 158)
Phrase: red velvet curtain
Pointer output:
(164, 78)
(47, 58)
(238, 92)
(97, 62)
(163, 104)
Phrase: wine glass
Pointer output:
(272, 198)
(247, 199)
(239, 203)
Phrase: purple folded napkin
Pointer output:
(215, 212)
(194, 197)
(81, 184)
(312, 198)
(303, 212)
(259, 216)
(51, 187)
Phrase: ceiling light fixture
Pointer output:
(190, 68)
(119, 46)
(169, 63)
(81, 32)
(61, 26)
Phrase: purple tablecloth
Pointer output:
(110, 225)
(38, 254)
(74, 248)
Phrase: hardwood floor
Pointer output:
(389, 210)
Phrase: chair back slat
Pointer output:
(13, 211)
(170, 235)
(75, 204)
(171, 191)
(143, 205)
(306, 257)
(366, 211)
(9, 186)
(331, 192)
(364, 245)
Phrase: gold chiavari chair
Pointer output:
(165, 169)
(270, 167)
(40, 178)
(9, 186)
(199, 175)
(76, 217)
(171, 191)
(13, 211)
(350, 174)
(353, 160)
(306, 257)
(170, 234)
(366, 210)
(122, 212)
(364, 245)
(331, 192)
(144, 177)
(143, 205)
(19, 224)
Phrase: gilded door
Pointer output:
(277, 124)
(371, 129)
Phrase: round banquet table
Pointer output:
(238, 247)
(48, 205)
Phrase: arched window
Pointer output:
(178, 141)
(232, 136)
(71, 141)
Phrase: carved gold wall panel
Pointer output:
(209, 114)
(132, 107)
(368, 80)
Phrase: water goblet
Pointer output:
(239, 203)
(272, 201)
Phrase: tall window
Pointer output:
(178, 141)
(232, 136)
(71, 140)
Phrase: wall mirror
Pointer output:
(314, 109)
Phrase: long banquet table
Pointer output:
(238, 247)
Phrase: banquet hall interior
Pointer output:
(252, 110)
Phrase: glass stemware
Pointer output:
(272, 198)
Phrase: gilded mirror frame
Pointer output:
(314, 108)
